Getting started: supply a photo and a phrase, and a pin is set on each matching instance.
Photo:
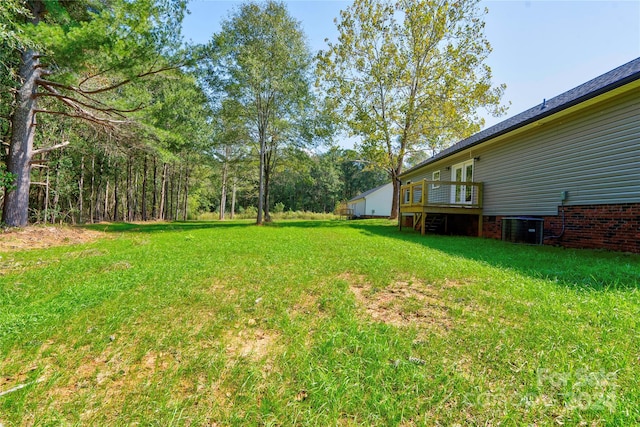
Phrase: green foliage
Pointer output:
(317, 182)
(118, 38)
(278, 208)
(104, 62)
(260, 63)
(12, 13)
(316, 323)
(6, 178)
(249, 212)
(409, 75)
(177, 114)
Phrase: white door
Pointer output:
(462, 194)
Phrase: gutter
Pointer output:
(454, 149)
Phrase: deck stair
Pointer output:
(417, 221)
(434, 222)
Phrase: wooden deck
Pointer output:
(425, 198)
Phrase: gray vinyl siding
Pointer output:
(593, 154)
(435, 194)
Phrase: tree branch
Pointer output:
(49, 84)
(53, 147)
(108, 88)
(109, 111)
(82, 112)
(86, 116)
(102, 72)
(126, 81)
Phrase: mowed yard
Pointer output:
(316, 323)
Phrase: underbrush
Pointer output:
(251, 214)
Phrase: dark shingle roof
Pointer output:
(609, 81)
(366, 193)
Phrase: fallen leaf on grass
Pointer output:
(302, 396)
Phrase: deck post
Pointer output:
(480, 225)
(423, 223)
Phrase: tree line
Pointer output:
(107, 115)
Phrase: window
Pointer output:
(435, 176)
(407, 194)
(462, 172)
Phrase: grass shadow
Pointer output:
(580, 269)
(162, 227)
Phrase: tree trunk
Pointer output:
(23, 122)
(178, 187)
(129, 189)
(170, 184)
(223, 195)
(267, 214)
(92, 204)
(41, 188)
(46, 198)
(233, 198)
(56, 194)
(80, 190)
(269, 166)
(154, 206)
(116, 204)
(144, 188)
(105, 211)
(396, 195)
(136, 193)
(163, 191)
(186, 191)
(261, 186)
(73, 219)
(102, 214)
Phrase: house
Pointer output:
(373, 203)
(564, 172)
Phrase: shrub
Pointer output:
(278, 208)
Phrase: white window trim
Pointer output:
(433, 178)
(407, 194)
(462, 166)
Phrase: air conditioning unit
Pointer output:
(523, 230)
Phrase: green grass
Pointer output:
(316, 323)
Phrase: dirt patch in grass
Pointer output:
(254, 344)
(403, 303)
(307, 305)
(8, 382)
(38, 237)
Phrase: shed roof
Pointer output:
(609, 81)
(368, 192)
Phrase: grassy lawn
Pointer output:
(316, 323)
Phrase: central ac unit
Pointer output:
(523, 230)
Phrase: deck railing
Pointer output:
(441, 194)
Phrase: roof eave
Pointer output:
(551, 111)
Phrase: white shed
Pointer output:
(373, 203)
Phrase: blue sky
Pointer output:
(540, 48)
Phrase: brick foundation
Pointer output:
(612, 227)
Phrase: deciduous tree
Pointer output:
(409, 75)
(261, 60)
